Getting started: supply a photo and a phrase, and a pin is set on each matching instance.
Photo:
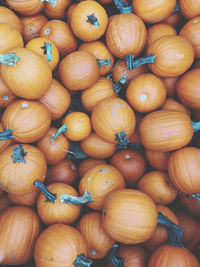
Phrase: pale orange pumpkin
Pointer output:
(189, 8)
(26, 7)
(6, 95)
(8, 16)
(58, 11)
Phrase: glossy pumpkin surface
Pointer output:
(8, 16)
(26, 7)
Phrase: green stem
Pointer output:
(52, 2)
(118, 86)
(49, 196)
(176, 9)
(116, 262)
(129, 61)
(85, 198)
(47, 50)
(143, 60)
(122, 139)
(196, 126)
(92, 19)
(175, 232)
(197, 196)
(18, 154)
(82, 261)
(7, 134)
(9, 59)
(124, 7)
(104, 62)
(62, 129)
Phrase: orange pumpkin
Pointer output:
(172, 104)
(100, 181)
(70, 11)
(58, 11)
(174, 19)
(189, 8)
(129, 216)
(88, 164)
(6, 94)
(19, 230)
(113, 120)
(158, 159)
(89, 20)
(30, 78)
(25, 121)
(20, 166)
(27, 199)
(26, 7)
(98, 241)
(8, 16)
(146, 93)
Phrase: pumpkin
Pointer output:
(5, 202)
(53, 152)
(63, 172)
(156, 184)
(130, 163)
(6, 94)
(20, 166)
(58, 11)
(10, 38)
(89, 20)
(96, 147)
(60, 33)
(87, 164)
(4, 143)
(172, 104)
(32, 26)
(129, 216)
(113, 120)
(30, 78)
(98, 241)
(158, 159)
(185, 179)
(170, 85)
(174, 19)
(102, 89)
(26, 7)
(19, 230)
(25, 121)
(46, 49)
(188, 89)
(153, 11)
(100, 181)
(190, 204)
(8, 16)
(79, 70)
(146, 93)
(189, 8)
(66, 246)
(160, 235)
(27, 199)
(165, 130)
(104, 58)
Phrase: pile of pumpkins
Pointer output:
(99, 133)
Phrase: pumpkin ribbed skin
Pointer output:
(165, 130)
(189, 8)
(172, 104)
(6, 95)
(28, 199)
(26, 7)
(158, 159)
(8, 16)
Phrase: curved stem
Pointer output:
(176, 9)
(49, 196)
(7, 134)
(82, 261)
(52, 2)
(118, 86)
(197, 196)
(129, 61)
(62, 129)
(122, 138)
(143, 60)
(92, 19)
(18, 154)
(196, 126)
(104, 62)
(116, 262)
(9, 59)
(175, 232)
(85, 198)
(47, 50)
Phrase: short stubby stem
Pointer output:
(82, 261)
(47, 50)
(129, 61)
(92, 19)
(175, 232)
(144, 60)
(85, 198)
(122, 139)
(196, 126)
(52, 2)
(9, 59)
(197, 196)
(50, 197)
(116, 262)
(19, 154)
(62, 129)
(7, 134)
(124, 7)
(104, 62)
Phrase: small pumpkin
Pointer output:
(8, 16)
(87, 164)
(57, 11)
(158, 159)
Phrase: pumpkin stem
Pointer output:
(196, 126)
(143, 60)
(122, 138)
(7, 134)
(197, 196)
(116, 262)
(118, 86)
(82, 261)
(85, 198)
(124, 7)
(93, 20)
(49, 196)
(18, 154)
(176, 9)
(129, 61)
(47, 50)
(104, 62)
(175, 232)
(9, 59)
(52, 2)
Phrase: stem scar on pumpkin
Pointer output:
(19, 154)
